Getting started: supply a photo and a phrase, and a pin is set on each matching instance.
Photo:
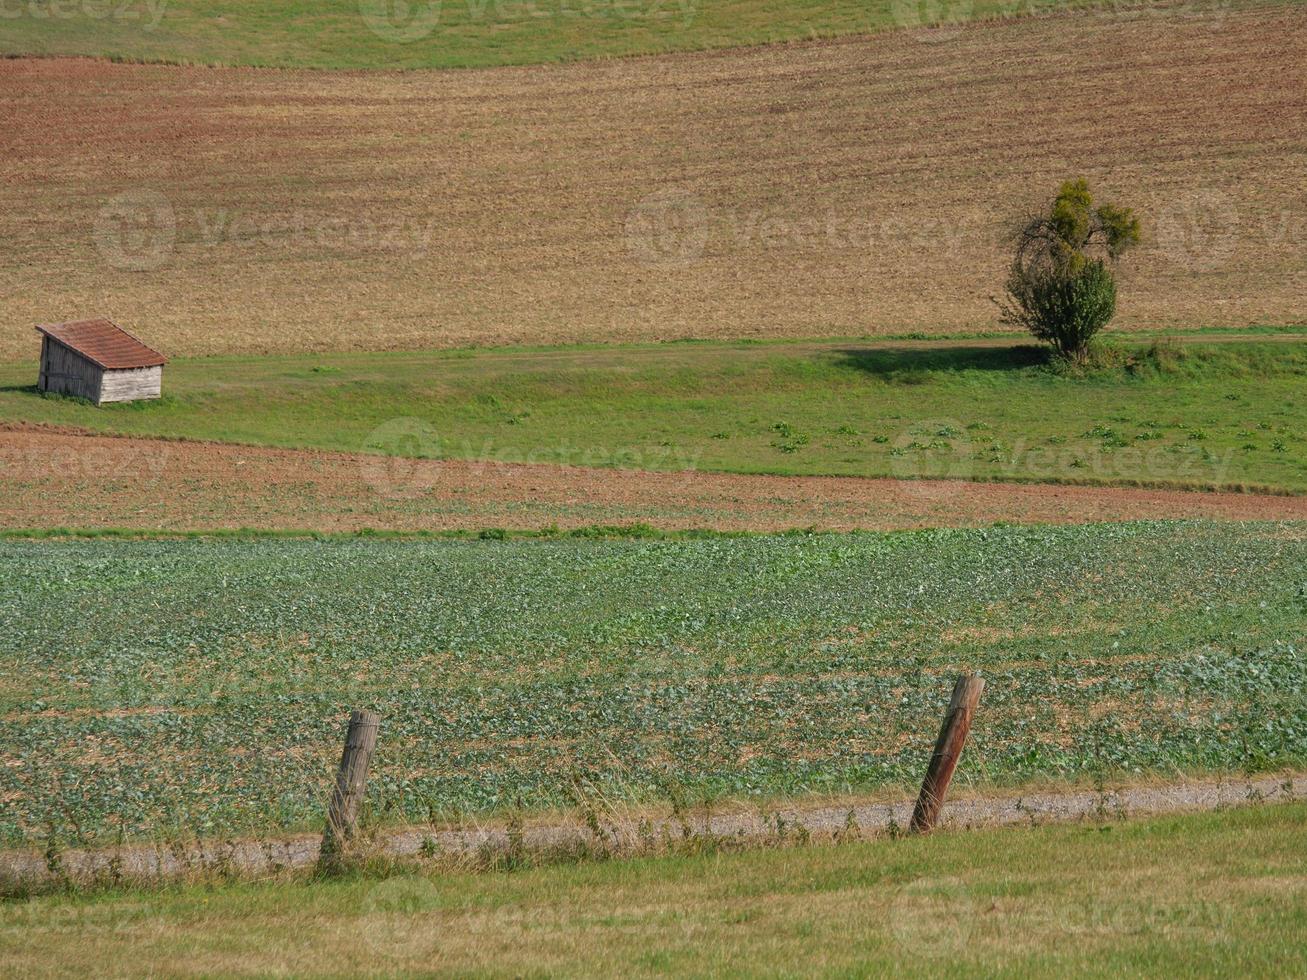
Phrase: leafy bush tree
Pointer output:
(1062, 285)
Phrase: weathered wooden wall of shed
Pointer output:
(131, 384)
(66, 372)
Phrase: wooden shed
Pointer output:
(99, 361)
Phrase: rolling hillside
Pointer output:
(838, 188)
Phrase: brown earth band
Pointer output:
(51, 478)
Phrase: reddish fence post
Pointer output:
(948, 749)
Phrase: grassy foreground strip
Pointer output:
(452, 33)
(175, 689)
(1207, 415)
(1215, 894)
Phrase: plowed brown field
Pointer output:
(836, 188)
(57, 479)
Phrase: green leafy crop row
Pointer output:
(200, 686)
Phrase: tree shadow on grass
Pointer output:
(914, 365)
(20, 389)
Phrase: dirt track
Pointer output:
(629, 834)
(834, 188)
(56, 479)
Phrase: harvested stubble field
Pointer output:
(836, 188)
(198, 687)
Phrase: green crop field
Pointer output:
(200, 686)
(1213, 414)
(1218, 894)
(449, 33)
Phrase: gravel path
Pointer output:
(627, 835)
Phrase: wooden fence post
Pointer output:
(948, 749)
(351, 781)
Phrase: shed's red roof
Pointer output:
(104, 343)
